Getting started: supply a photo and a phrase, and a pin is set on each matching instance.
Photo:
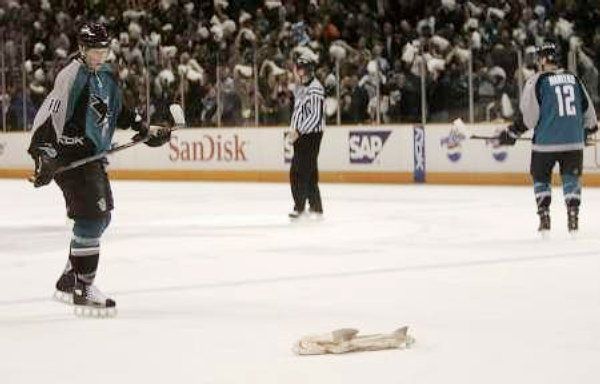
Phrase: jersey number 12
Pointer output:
(565, 103)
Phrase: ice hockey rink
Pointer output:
(214, 285)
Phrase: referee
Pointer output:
(307, 126)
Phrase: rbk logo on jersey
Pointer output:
(100, 107)
(67, 140)
(366, 146)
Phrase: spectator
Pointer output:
(179, 44)
(231, 104)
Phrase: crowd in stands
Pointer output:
(228, 60)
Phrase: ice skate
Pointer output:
(89, 301)
(573, 220)
(315, 214)
(295, 214)
(544, 227)
(64, 287)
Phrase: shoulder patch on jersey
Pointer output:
(68, 73)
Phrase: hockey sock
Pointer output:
(85, 247)
(572, 190)
(543, 195)
(84, 256)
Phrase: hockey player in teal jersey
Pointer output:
(78, 120)
(556, 105)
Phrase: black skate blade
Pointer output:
(94, 312)
(63, 297)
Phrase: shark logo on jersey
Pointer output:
(100, 107)
(453, 144)
(366, 146)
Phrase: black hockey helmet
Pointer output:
(93, 35)
(549, 52)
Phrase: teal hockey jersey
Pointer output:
(82, 109)
(556, 105)
(79, 116)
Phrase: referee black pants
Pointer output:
(304, 174)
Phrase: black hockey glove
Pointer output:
(589, 132)
(156, 135)
(139, 126)
(46, 164)
(507, 137)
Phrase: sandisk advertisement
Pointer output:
(207, 148)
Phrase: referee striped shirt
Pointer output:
(308, 116)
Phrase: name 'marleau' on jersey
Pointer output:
(308, 116)
(557, 107)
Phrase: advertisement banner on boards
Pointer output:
(419, 154)
(344, 149)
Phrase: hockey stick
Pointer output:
(179, 122)
(178, 116)
(478, 137)
(588, 143)
(100, 155)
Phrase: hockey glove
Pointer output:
(589, 132)
(139, 126)
(507, 137)
(46, 164)
(156, 135)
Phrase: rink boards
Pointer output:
(384, 154)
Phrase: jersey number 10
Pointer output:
(565, 103)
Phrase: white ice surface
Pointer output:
(214, 284)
